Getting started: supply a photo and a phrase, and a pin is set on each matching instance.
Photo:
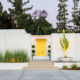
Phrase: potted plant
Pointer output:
(33, 46)
(49, 46)
(64, 42)
(33, 54)
(49, 53)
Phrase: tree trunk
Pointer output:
(65, 54)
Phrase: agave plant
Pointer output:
(64, 43)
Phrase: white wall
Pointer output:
(18, 39)
(77, 46)
(15, 40)
(12, 66)
(73, 51)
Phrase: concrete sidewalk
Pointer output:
(39, 75)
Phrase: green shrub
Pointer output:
(16, 56)
(65, 67)
(33, 54)
(49, 51)
(33, 51)
(1, 57)
(33, 46)
(8, 56)
(21, 56)
(49, 46)
(49, 54)
(74, 66)
(26, 58)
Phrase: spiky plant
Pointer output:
(8, 56)
(21, 56)
(64, 43)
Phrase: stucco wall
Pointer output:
(73, 51)
(19, 39)
(15, 40)
(77, 37)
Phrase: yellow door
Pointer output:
(41, 47)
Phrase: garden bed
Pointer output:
(61, 64)
(74, 69)
(11, 66)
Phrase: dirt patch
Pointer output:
(74, 69)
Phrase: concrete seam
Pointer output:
(21, 75)
(64, 75)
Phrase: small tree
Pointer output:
(18, 9)
(42, 26)
(76, 15)
(1, 7)
(62, 16)
(64, 43)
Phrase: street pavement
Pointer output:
(39, 75)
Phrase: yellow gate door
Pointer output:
(41, 47)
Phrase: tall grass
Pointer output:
(1, 57)
(8, 56)
(21, 56)
(14, 56)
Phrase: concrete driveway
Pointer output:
(39, 75)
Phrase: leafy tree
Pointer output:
(36, 25)
(77, 22)
(62, 16)
(42, 26)
(18, 9)
(25, 22)
(1, 8)
(4, 19)
(5, 22)
(76, 15)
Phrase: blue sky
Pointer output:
(49, 5)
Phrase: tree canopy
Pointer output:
(18, 9)
(5, 22)
(38, 25)
(62, 16)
